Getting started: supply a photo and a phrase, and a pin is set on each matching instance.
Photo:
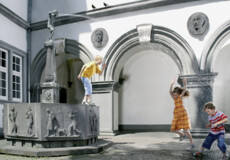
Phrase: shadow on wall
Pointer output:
(1, 133)
(204, 96)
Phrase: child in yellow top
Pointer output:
(180, 119)
(87, 71)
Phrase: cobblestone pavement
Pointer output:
(139, 146)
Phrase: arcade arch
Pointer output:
(68, 64)
(127, 58)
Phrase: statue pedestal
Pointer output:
(50, 93)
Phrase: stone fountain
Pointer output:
(51, 128)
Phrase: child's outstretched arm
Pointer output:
(103, 67)
(170, 88)
(220, 122)
(184, 87)
(82, 69)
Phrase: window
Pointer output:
(11, 77)
(17, 78)
(3, 74)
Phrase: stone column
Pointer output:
(200, 87)
(105, 95)
(49, 87)
(50, 68)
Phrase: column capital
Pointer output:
(198, 80)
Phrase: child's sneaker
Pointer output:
(198, 154)
(225, 157)
(90, 103)
(191, 146)
(87, 103)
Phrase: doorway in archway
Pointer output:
(144, 100)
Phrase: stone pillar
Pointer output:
(50, 90)
(200, 87)
(50, 68)
(105, 95)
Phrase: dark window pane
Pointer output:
(18, 79)
(14, 86)
(18, 94)
(3, 84)
(3, 63)
(18, 87)
(3, 55)
(3, 92)
(17, 60)
(14, 94)
(3, 75)
(13, 59)
(17, 68)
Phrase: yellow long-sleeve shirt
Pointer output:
(90, 69)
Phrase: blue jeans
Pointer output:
(87, 85)
(211, 138)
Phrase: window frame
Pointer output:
(19, 74)
(6, 70)
(13, 51)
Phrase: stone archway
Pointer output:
(181, 52)
(72, 47)
(161, 38)
(215, 58)
(219, 39)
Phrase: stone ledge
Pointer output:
(100, 146)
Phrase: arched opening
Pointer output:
(219, 39)
(221, 89)
(144, 96)
(215, 59)
(68, 65)
(158, 61)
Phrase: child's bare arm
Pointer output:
(103, 67)
(170, 88)
(220, 122)
(185, 87)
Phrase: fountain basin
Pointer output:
(50, 125)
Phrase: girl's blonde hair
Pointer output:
(98, 57)
(179, 90)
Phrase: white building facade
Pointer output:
(133, 91)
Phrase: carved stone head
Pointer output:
(99, 38)
(53, 13)
(198, 23)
